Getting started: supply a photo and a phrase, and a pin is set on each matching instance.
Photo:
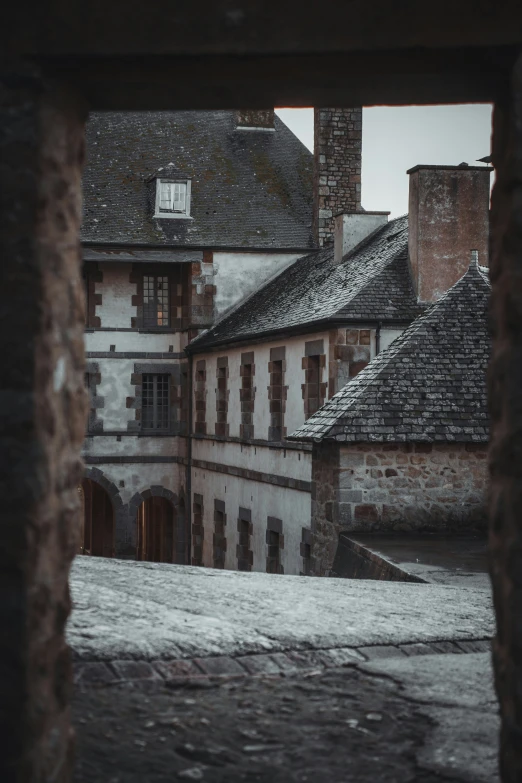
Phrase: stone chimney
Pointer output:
(352, 227)
(337, 168)
(448, 218)
(255, 119)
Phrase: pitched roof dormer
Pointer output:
(172, 193)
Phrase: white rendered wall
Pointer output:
(141, 476)
(237, 275)
(116, 309)
(291, 463)
(289, 505)
(294, 377)
(132, 341)
(388, 336)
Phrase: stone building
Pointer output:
(403, 446)
(272, 364)
(185, 213)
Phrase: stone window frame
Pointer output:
(221, 426)
(244, 554)
(276, 430)
(247, 394)
(313, 361)
(93, 380)
(92, 275)
(219, 542)
(184, 387)
(154, 368)
(168, 214)
(200, 397)
(305, 549)
(179, 294)
(274, 526)
(198, 530)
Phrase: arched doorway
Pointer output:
(156, 530)
(97, 526)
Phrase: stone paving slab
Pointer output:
(123, 610)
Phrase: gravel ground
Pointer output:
(340, 726)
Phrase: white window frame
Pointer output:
(167, 214)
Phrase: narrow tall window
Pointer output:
(155, 403)
(155, 300)
(245, 555)
(276, 394)
(200, 398)
(221, 426)
(275, 543)
(198, 533)
(246, 395)
(219, 539)
(306, 551)
(314, 392)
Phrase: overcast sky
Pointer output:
(397, 138)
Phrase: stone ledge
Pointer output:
(278, 664)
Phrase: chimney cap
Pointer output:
(360, 212)
(422, 166)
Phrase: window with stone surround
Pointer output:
(198, 533)
(162, 297)
(277, 393)
(155, 300)
(221, 426)
(247, 395)
(156, 399)
(200, 398)
(219, 538)
(275, 544)
(313, 390)
(155, 403)
(245, 555)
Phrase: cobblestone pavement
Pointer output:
(302, 723)
(176, 671)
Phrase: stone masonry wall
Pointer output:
(395, 487)
(350, 352)
(42, 418)
(337, 167)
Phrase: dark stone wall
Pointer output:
(505, 394)
(43, 417)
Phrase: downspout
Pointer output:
(378, 337)
(189, 463)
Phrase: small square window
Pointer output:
(172, 198)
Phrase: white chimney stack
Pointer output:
(352, 227)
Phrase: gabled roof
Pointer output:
(372, 283)
(250, 189)
(429, 385)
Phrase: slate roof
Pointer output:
(372, 283)
(429, 385)
(250, 189)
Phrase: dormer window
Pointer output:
(172, 199)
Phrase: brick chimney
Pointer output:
(352, 227)
(448, 218)
(255, 119)
(337, 168)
